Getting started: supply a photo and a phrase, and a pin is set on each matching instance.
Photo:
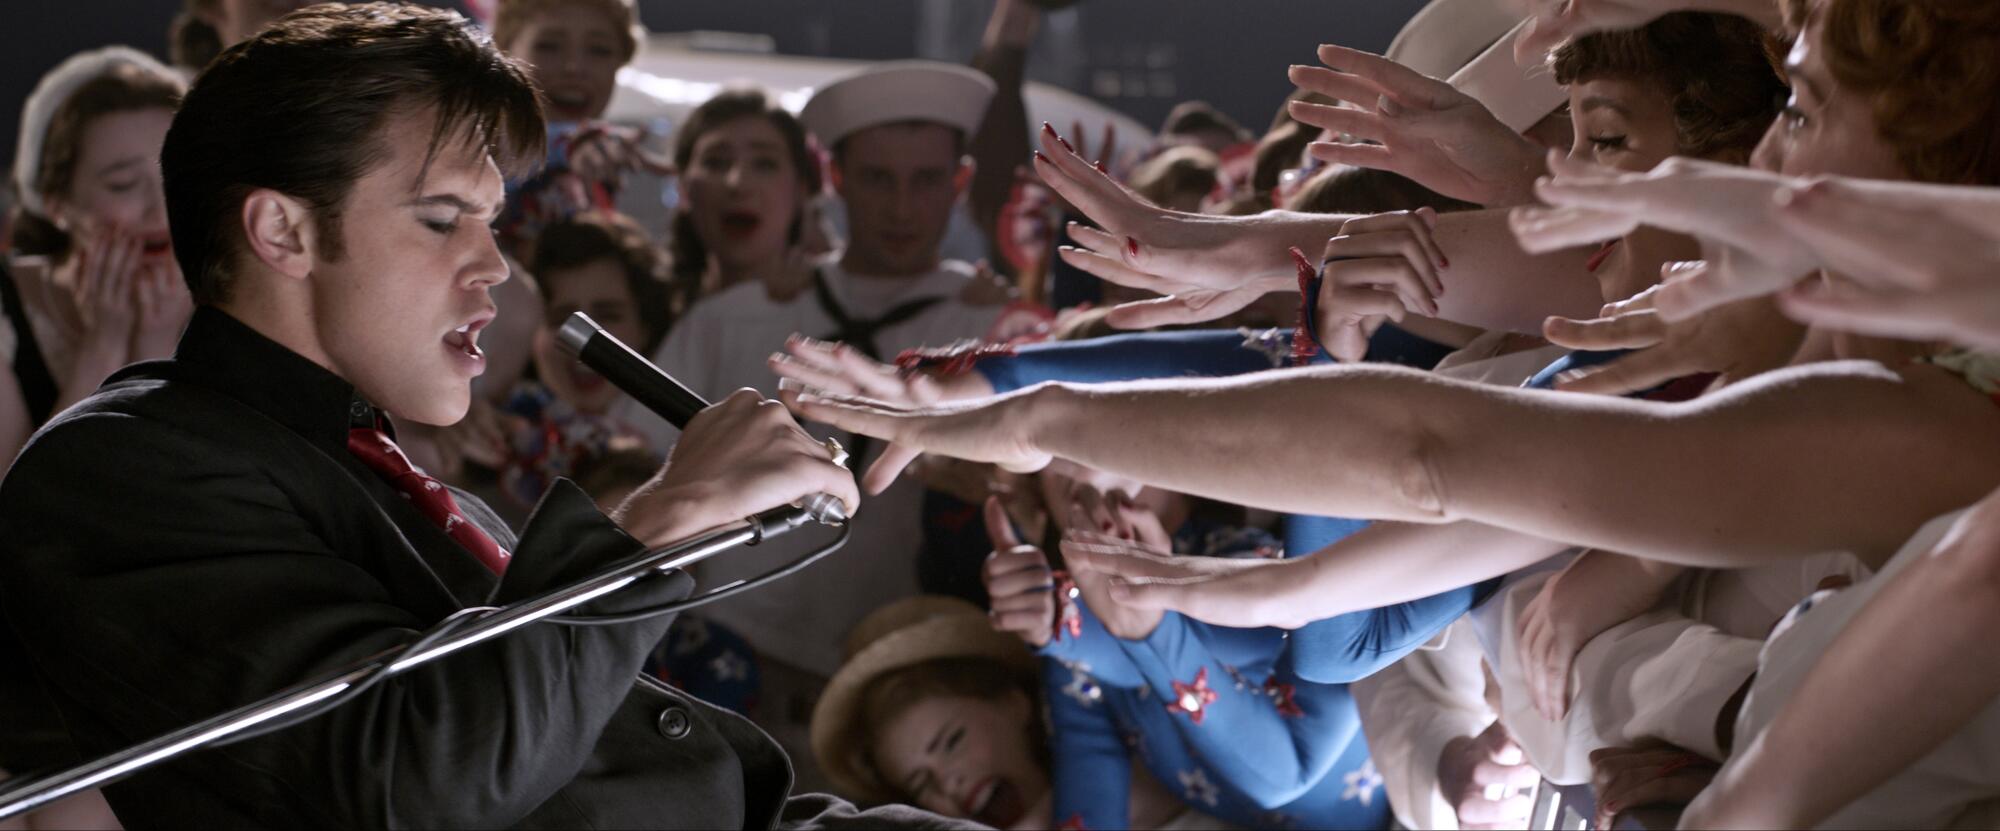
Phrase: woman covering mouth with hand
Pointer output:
(92, 284)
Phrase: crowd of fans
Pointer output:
(1584, 392)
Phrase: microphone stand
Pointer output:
(20, 797)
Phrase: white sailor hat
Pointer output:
(1471, 42)
(948, 94)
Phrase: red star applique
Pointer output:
(1282, 696)
(1074, 823)
(1193, 699)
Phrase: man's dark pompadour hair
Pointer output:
(300, 109)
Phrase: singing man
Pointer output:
(206, 530)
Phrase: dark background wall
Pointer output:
(1140, 56)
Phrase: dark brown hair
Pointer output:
(1189, 117)
(589, 236)
(123, 88)
(1932, 68)
(301, 108)
(1184, 168)
(690, 253)
(1718, 71)
(1343, 189)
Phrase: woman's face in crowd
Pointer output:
(116, 187)
(398, 314)
(1064, 482)
(1622, 123)
(574, 52)
(964, 757)
(600, 289)
(1629, 125)
(1824, 129)
(743, 191)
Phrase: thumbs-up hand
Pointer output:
(1019, 586)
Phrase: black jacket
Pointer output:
(196, 536)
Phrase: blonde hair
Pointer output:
(513, 15)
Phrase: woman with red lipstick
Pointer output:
(748, 175)
(93, 283)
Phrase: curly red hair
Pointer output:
(1932, 68)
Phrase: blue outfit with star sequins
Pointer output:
(1267, 750)
(1339, 649)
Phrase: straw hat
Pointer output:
(903, 634)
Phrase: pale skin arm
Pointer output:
(1833, 456)
(1192, 258)
(1850, 727)
(1382, 565)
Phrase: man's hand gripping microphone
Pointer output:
(657, 391)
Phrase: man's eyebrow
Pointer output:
(455, 201)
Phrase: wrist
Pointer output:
(662, 515)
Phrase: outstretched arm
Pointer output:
(1495, 284)
(1849, 456)
(1798, 772)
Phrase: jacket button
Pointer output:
(675, 724)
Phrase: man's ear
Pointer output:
(280, 232)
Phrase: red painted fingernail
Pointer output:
(1444, 261)
(1100, 167)
(1041, 158)
(1132, 246)
(1048, 128)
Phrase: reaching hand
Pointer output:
(106, 293)
(1157, 249)
(1555, 21)
(1595, 592)
(839, 369)
(994, 430)
(604, 153)
(1725, 206)
(1422, 128)
(1736, 340)
(1635, 777)
(1378, 267)
(1020, 589)
(740, 456)
(1244, 593)
(1913, 271)
(162, 307)
(1095, 514)
(1487, 780)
